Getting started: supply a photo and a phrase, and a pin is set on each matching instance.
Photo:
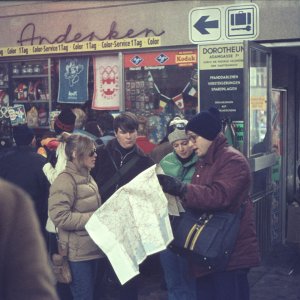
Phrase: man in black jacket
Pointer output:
(117, 163)
(22, 166)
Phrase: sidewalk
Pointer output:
(273, 280)
(278, 278)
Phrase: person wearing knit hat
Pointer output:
(221, 182)
(180, 163)
(23, 135)
(177, 134)
(65, 121)
(206, 124)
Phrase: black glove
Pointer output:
(172, 185)
(51, 157)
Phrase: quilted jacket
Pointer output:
(74, 197)
(222, 182)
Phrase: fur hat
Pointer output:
(23, 135)
(177, 134)
(65, 121)
(207, 123)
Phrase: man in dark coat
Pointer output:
(117, 163)
(22, 166)
(221, 182)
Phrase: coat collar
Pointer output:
(74, 169)
(218, 143)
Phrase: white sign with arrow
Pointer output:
(223, 23)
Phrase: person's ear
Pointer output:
(73, 154)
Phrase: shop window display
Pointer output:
(31, 86)
(160, 85)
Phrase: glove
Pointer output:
(51, 157)
(172, 185)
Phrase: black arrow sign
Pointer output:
(202, 24)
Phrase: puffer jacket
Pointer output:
(222, 182)
(172, 166)
(74, 197)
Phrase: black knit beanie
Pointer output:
(207, 123)
(65, 121)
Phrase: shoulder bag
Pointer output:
(60, 264)
(207, 239)
(120, 172)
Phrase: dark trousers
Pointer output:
(129, 291)
(108, 283)
(229, 285)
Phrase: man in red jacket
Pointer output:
(221, 182)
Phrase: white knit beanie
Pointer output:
(177, 134)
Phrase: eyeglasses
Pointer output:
(92, 153)
(193, 137)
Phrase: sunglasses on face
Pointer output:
(92, 153)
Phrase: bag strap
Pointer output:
(120, 172)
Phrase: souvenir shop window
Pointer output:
(32, 90)
(160, 85)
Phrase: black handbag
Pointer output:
(207, 239)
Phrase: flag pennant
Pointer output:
(178, 100)
(163, 101)
(193, 92)
(190, 90)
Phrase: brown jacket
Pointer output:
(74, 197)
(25, 272)
(222, 182)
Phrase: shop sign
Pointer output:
(221, 79)
(79, 47)
(164, 58)
(224, 23)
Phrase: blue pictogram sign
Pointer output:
(162, 58)
(136, 60)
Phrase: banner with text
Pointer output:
(78, 47)
(221, 79)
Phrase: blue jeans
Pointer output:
(228, 285)
(180, 284)
(83, 279)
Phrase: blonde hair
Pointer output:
(82, 145)
(80, 118)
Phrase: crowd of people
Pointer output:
(74, 169)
